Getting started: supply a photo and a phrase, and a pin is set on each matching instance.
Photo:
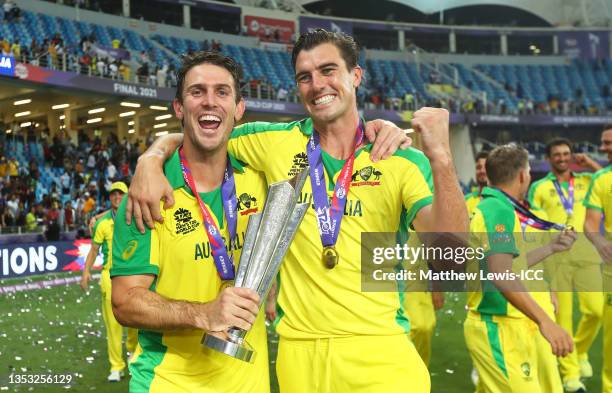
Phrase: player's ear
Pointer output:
(357, 76)
(178, 109)
(240, 108)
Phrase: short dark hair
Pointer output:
(348, 47)
(607, 127)
(482, 154)
(505, 162)
(558, 142)
(189, 61)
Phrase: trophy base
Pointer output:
(220, 342)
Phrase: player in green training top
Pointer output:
(500, 332)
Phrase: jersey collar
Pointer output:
(306, 127)
(551, 176)
(174, 173)
(494, 193)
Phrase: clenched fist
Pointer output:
(433, 125)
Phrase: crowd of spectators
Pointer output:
(91, 59)
(80, 189)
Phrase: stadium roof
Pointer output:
(587, 12)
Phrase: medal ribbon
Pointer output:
(223, 262)
(329, 218)
(526, 217)
(568, 203)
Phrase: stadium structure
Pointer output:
(85, 72)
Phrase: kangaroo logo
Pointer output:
(362, 177)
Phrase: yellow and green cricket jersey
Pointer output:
(494, 227)
(103, 236)
(543, 195)
(178, 254)
(472, 200)
(599, 196)
(316, 302)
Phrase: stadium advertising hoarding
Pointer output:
(266, 28)
(82, 82)
(585, 44)
(27, 259)
(7, 65)
(535, 120)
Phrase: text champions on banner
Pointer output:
(28, 259)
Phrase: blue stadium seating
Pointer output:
(396, 78)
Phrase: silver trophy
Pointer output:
(266, 242)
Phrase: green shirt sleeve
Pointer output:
(132, 251)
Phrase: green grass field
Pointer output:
(60, 330)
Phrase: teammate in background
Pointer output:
(599, 200)
(102, 235)
(560, 194)
(172, 281)
(500, 332)
(473, 198)
(325, 315)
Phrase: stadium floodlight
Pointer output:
(22, 114)
(26, 124)
(161, 133)
(97, 110)
(8, 131)
(158, 108)
(131, 131)
(130, 104)
(23, 102)
(126, 114)
(131, 123)
(94, 120)
(163, 117)
(62, 117)
(60, 106)
(160, 125)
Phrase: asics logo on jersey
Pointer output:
(526, 369)
(129, 250)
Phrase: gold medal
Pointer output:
(330, 257)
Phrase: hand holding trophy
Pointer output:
(266, 242)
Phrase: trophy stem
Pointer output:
(236, 335)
